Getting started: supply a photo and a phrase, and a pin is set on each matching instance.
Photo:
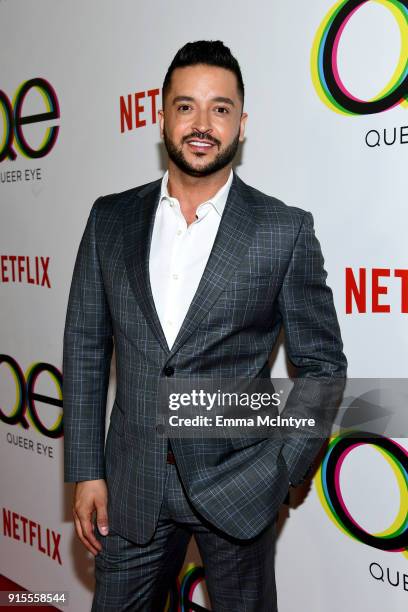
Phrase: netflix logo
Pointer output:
(24, 269)
(367, 289)
(43, 539)
(138, 109)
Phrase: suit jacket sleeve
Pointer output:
(314, 347)
(87, 355)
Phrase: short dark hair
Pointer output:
(209, 52)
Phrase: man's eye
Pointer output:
(183, 107)
(222, 110)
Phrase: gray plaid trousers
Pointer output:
(136, 578)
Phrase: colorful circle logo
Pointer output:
(325, 72)
(395, 537)
(180, 597)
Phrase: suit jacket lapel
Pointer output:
(236, 230)
(138, 221)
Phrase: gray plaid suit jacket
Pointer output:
(265, 270)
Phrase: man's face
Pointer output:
(202, 121)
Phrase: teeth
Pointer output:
(200, 144)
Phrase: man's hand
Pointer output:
(90, 496)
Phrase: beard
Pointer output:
(222, 159)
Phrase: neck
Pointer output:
(191, 191)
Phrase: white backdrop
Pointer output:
(298, 148)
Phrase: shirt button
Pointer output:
(179, 232)
(175, 276)
(170, 323)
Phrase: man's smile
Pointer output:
(200, 145)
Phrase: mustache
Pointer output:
(200, 136)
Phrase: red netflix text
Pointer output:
(373, 298)
(138, 109)
(24, 269)
(33, 534)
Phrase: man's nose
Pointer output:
(202, 123)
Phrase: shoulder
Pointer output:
(269, 209)
(113, 205)
(129, 195)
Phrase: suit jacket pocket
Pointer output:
(247, 281)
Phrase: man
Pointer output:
(191, 275)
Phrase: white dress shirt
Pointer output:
(179, 254)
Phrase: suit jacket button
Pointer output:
(168, 371)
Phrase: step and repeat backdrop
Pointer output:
(327, 98)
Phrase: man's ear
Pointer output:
(161, 122)
(243, 120)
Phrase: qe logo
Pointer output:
(180, 597)
(325, 73)
(395, 537)
(14, 121)
(24, 410)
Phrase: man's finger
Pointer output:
(80, 533)
(102, 518)
(88, 532)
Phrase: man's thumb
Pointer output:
(102, 520)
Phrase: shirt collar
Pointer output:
(218, 201)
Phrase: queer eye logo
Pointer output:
(395, 537)
(325, 72)
(180, 598)
(14, 121)
(24, 411)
